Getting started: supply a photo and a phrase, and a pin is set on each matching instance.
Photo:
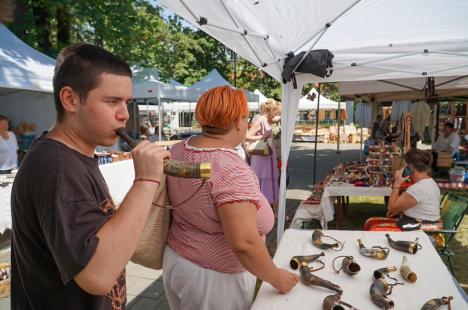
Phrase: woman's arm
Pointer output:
(240, 228)
(251, 133)
(399, 203)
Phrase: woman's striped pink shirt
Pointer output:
(196, 232)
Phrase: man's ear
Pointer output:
(69, 99)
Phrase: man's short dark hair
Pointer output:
(449, 125)
(79, 67)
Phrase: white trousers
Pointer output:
(191, 287)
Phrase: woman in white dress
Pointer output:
(8, 147)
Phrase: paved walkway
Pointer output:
(145, 289)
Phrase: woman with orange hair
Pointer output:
(216, 240)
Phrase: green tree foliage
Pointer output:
(329, 90)
(248, 76)
(141, 33)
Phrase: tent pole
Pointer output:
(360, 148)
(316, 133)
(360, 127)
(339, 136)
(160, 119)
(147, 109)
(437, 121)
(135, 118)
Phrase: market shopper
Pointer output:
(385, 134)
(216, 239)
(420, 202)
(8, 147)
(265, 167)
(70, 245)
(448, 142)
(376, 127)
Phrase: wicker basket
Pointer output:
(5, 288)
(444, 160)
(5, 284)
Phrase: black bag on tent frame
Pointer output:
(317, 62)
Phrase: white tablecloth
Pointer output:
(119, 178)
(306, 212)
(332, 191)
(434, 280)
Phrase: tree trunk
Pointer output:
(6, 11)
(42, 22)
(63, 26)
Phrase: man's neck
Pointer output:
(71, 138)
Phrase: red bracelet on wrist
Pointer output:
(147, 180)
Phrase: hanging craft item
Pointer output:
(404, 246)
(376, 252)
(407, 120)
(317, 241)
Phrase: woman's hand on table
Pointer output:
(391, 214)
(284, 280)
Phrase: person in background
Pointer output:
(70, 245)
(8, 147)
(377, 126)
(448, 141)
(216, 243)
(420, 202)
(418, 206)
(385, 134)
(261, 111)
(155, 136)
(265, 167)
(151, 129)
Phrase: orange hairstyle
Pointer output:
(221, 107)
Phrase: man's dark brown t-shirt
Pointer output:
(59, 201)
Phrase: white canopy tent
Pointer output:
(21, 66)
(175, 83)
(214, 79)
(261, 97)
(25, 83)
(157, 89)
(401, 89)
(370, 40)
(148, 89)
(325, 103)
(146, 84)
